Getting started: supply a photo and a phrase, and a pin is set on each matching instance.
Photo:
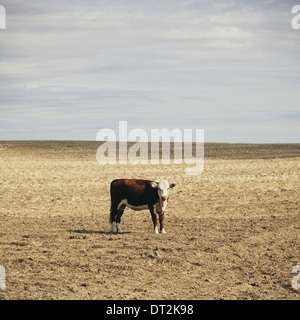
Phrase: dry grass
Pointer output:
(232, 232)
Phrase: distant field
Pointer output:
(87, 149)
(232, 232)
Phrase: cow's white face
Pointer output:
(163, 192)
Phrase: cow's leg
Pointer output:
(154, 218)
(118, 217)
(161, 222)
(113, 217)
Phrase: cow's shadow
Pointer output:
(84, 231)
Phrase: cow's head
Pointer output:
(163, 187)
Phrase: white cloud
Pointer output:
(170, 63)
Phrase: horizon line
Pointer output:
(117, 141)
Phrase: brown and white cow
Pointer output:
(138, 194)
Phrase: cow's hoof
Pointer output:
(113, 227)
(163, 231)
(119, 228)
(156, 230)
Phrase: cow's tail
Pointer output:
(111, 215)
(112, 211)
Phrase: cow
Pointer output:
(139, 194)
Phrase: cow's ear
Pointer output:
(172, 185)
(153, 184)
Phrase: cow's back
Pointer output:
(136, 191)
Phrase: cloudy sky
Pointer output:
(69, 68)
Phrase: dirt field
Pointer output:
(232, 232)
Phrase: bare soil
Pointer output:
(232, 232)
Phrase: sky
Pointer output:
(70, 68)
